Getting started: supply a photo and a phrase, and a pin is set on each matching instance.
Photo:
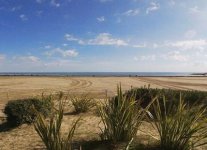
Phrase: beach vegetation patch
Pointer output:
(146, 94)
(121, 117)
(180, 126)
(82, 104)
(24, 110)
(49, 130)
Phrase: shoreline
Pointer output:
(103, 75)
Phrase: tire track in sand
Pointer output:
(166, 84)
(80, 84)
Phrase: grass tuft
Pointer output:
(121, 116)
(49, 131)
(180, 126)
(82, 104)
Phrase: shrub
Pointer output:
(144, 95)
(121, 117)
(82, 104)
(180, 126)
(22, 111)
(50, 133)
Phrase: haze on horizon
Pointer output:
(103, 35)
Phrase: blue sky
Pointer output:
(103, 35)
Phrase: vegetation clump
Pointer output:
(82, 104)
(22, 111)
(180, 126)
(121, 117)
(49, 130)
(146, 94)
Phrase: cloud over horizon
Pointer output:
(103, 35)
(61, 52)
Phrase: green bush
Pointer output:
(180, 127)
(82, 104)
(146, 94)
(24, 110)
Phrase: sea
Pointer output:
(98, 74)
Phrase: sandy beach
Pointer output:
(12, 88)
(20, 87)
(24, 137)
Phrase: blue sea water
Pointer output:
(98, 74)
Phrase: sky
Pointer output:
(103, 35)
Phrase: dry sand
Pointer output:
(20, 87)
(25, 137)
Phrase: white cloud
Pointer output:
(106, 39)
(200, 64)
(155, 45)
(176, 56)
(190, 34)
(63, 53)
(139, 45)
(172, 2)
(101, 19)
(64, 44)
(194, 10)
(16, 8)
(70, 37)
(136, 58)
(47, 46)
(197, 44)
(29, 58)
(145, 58)
(153, 7)
(23, 17)
(57, 63)
(100, 39)
(55, 3)
(2, 57)
(131, 12)
(69, 53)
(188, 44)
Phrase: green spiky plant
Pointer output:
(180, 126)
(49, 131)
(82, 103)
(121, 117)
